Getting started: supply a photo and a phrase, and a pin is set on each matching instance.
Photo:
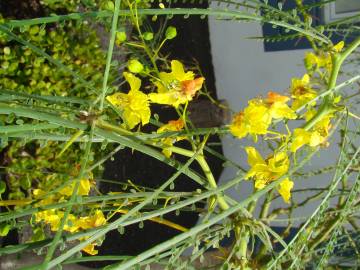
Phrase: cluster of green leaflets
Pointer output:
(77, 46)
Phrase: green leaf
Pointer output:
(2, 187)
(4, 229)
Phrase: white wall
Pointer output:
(243, 71)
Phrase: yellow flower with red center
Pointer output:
(176, 87)
(278, 107)
(257, 116)
(172, 125)
(266, 171)
(254, 120)
(301, 92)
(134, 105)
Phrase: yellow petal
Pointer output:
(84, 187)
(237, 128)
(260, 172)
(117, 99)
(254, 156)
(279, 164)
(161, 88)
(90, 249)
(281, 110)
(169, 98)
(167, 153)
(300, 138)
(338, 47)
(285, 189)
(179, 73)
(131, 118)
(315, 139)
(136, 109)
(134, 81)
(260, 184)
(305, 79)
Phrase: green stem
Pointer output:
(226, 13)
(206, 169)
(107, 126)
(110, 52)
(210, 177)
(337, 60)
(324, 110)
(135, 19)
(58, 234)
(263, 215)
(243, 247)
(323, 235)
(307, 18)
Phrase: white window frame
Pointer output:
(330, 15)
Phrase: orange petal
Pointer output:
(275, 97)
(190, 87)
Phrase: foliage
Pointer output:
(64, 113)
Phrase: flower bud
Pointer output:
(120, 37)
(109, 5)
(135, 66)
(170, 32)
(148, 36)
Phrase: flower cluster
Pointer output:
(256, 119)
(265, 171)
(174, 88)
(321, 61)
(53, 217)
(258, 115)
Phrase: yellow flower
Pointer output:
(302, 137)
(84, 188)
(314, 137)
(173, 125)
(93, 221)
(338, 47)
(285, 188)
(278, 107)
(134, 105)
(39, 194)
(176, 87)
(90, 249)
(322, 126)
(254, 120)
(301, 91)
(53, 218)
(314, 62)
(256, 117)
(266, 171)
(48, 217)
